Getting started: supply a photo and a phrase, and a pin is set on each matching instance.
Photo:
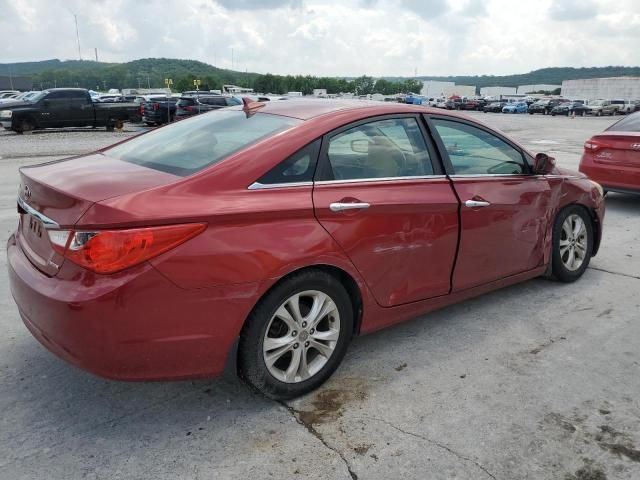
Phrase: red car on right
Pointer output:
(612, 158)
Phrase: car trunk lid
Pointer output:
(55, 195)
(617, 148)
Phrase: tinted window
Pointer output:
(299, 167)
(189, 146)
(627, 124)
(474, 151)
(233, 101)
(380, 149)
(185, 102)
(218, 101)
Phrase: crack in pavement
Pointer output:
(637, 277)
(311, 429)
(433, 442)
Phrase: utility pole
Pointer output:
(96, 49)
(10, 78)
(75, 17)
(231, 58)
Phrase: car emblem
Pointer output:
(636, 146)
(27, 191)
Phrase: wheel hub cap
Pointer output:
(301, 336)
(573, 242)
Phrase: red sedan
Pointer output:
(264, 237)
(612, 158)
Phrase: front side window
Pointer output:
(379, 149)
(474, 151)
(188, 146)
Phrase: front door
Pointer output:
(503, 212)
(382, 196)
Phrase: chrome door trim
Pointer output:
(381, 179)
(340, 207)
(483, 175)
(267, 186)
(46, 221)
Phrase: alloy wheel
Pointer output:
(301, 336)
(573, 242)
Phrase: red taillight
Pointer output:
(156, 106)
(594, 145)
(141, 109)
(109, 251)
(188, 109)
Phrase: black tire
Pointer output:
(150, 124)
(25, 126)
(559, 270)
(251, 364)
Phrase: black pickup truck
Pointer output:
(64, 107)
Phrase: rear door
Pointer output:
(81, 109)
(504, 206)
(381, 194)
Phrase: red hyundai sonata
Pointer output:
(612, 158)
(264, 237)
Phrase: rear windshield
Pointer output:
(627, 124)
(188, 146)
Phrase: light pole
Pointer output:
(168, 82)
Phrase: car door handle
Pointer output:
(476, 204)
(339, 206)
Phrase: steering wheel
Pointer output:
(495, 169)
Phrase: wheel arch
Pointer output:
(345, 278)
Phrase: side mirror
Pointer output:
(543, 164)
(360, 146)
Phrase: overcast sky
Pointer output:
(346, 37)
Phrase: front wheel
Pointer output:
(296, 336)
(572, 243)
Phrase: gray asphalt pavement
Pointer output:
(536, 381)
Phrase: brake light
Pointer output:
(141, 109)
(110, 251)
(156, 106)
(595, 145)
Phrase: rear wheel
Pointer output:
(296, 336)
(572, 243)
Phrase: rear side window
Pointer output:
(233, 101)
(217, 101)
(627, 124)
(185, 102)
(188, 146)
(299, 167)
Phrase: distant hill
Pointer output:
(550, 76)
(151, 72)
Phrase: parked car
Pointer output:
(193, 105)
(18, 98)
(267, 235)
(629, 106)
(441, 103)
(612, 158)
(515, 107)
(453, 104)
(603, 107)
(494, 107)
(158, 110)
(545, 106)
(9, 93)
(470, 104)
(63, 107)
(570, 108)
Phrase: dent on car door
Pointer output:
(504, 207)
(382, 196)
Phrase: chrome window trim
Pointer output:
(481, 175)
(381, 179)
(267, 186)
(46, 221)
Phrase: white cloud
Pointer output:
(318, 37)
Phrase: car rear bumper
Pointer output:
(613, 177)
(135, 325)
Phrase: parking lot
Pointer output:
(535, 381)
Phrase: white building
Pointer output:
(461, 91)
(431, 88)
(497, 91)
(524, 89)
(616, 88)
